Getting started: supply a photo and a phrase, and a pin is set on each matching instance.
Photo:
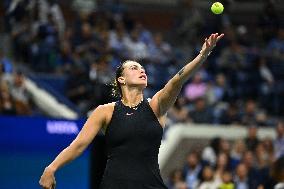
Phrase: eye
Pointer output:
(134, 68)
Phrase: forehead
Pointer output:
(131, 63)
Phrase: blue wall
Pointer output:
(27, 145)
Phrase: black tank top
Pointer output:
(133, 138)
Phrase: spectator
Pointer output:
(179, 113)
(7, 106)
(19, 92)
(252, 140)
(278, 173)
(268, 145)
(6, 63)
(5, 76)
(136, 49)
(216, 92)
(57, 17)
(264, 80)
(227, 181)
(249, 113)
(78, 87)
(65, 60)
(210, 153)
(237, 153)
(100, 78)
(262, 162)
(175, 180)
(233, 57)
(230, 115)
(49, 8)
(192, 170)
(181, 185)
(84, 39)
(275, 47)
(144, 34)
(159, 51)
(279, 141)
(117, 38)
(241, 178)
(201, 112)
(251, 171)
(222, 165)
(190, 21)
(208, 181)
(21, 38)
(196, 89)
(269, 21)
(262, 157)
(46, 47)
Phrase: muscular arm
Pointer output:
(98, 119)
(84, 138)
(166, 97)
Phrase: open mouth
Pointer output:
(144, 77)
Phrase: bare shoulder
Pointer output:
(108, 108)
(106, 111)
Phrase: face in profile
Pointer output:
(133, 75)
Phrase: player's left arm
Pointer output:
(166, 97)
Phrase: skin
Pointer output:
(132, 86)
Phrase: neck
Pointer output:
(132, 97)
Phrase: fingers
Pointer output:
(220, 37)
(214, 38)
(207, 43)
(211, 40)
(53, 185)
(46, 185)
(210, 43)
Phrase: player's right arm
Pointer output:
(90, 129)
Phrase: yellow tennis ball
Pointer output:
(217, 8)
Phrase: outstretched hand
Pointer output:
(210, 43)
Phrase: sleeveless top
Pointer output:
(133, 138)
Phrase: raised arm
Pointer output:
(166, 97)
(90, 129)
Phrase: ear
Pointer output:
(121, 80)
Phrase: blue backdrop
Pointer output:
(28, 145)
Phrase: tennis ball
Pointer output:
(217, 8)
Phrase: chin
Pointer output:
(145, 84)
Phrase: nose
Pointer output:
(142, 70)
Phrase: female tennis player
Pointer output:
(133, 128)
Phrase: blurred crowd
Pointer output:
(14, 96)
(248, 163)
(242, 82)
